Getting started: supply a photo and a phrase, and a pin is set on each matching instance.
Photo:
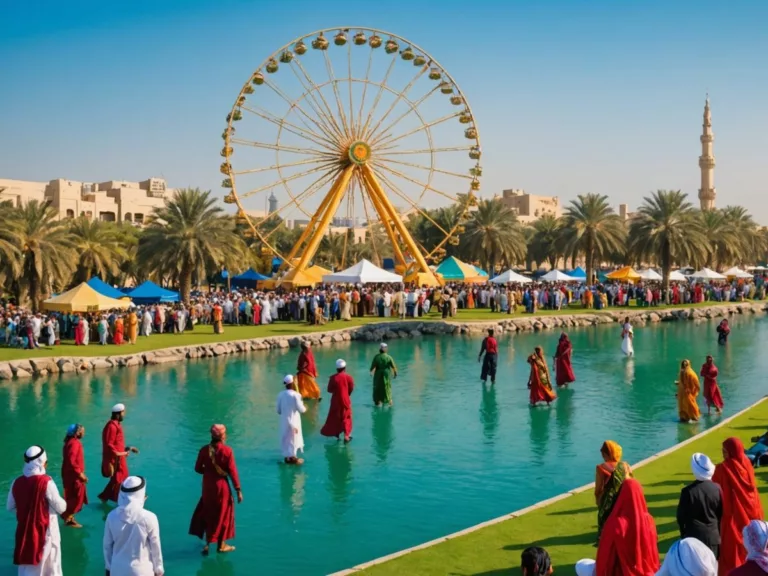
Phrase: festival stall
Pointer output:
(578, 273)
(677, 276)
(454, 270)
(624, 274)
(736, 272)
(248, 279)
(557, 276)
(364, 272)
(650, 274)
(707, 274)
(510, 277)
(83, 298)
(103, 288)
(150, 293)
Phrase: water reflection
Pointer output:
(563, 414)
(292, 493)
(129, 381)
(381, 432)
(489, 412)
(73, 541)
(339, 458)
(219, 565)
(310, 419)
(539, 432)
(629, 370)
(686, 431)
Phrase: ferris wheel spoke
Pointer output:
(286, 179)
(277, 167)
(327, 117)
(385, 218)
(359, 123)
(305, 133)
(425, 151)
(352, 132)
(427, 168)
(282, 148)
(295, 104)
(404, 93)
(424, 185)
(394, 188)
(335, 86)
(386, 141)
(369, 223)
(379, 94)
(414, 108)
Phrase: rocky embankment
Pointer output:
(375, 332)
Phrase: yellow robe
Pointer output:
(133, 326)
(687, 391)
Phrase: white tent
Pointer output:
(677, 276)
(364, 272)
(509, 277)
(557, 276)
(649, 274)
(735, 271)
(707, 274)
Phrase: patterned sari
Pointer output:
(610, 492)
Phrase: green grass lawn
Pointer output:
(567, 528)
(205, 335)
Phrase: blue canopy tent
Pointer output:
(151, 293)
(578, 273)
(103, 288)
(248, 279)
(276, 263)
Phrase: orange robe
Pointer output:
(306, 376)
(687, 391)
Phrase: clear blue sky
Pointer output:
(570, 96)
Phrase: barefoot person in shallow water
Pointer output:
(539, 382)
(290, 408)
(489, 348)
(383, 370)
(340, 387)
(687, 392)
(563, 370)
(712, 394)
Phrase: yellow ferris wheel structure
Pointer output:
(359, 129)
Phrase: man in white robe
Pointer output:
(290, 408)
(23, 490)
(146, 323)
(86, 331)
(132, 534)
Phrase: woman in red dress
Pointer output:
(73, 474)
(628, 544)
(79, 331)
(741, 504)
(711, 389)
(563, 369)
(214, 517)
(539, 382)
(339, 420)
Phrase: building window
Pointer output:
(89, 214)
(107, 216)
(138, 218)
(70, 213)
(128, 217)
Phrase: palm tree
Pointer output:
(749, 233)
(591, 227)
(544, 243)
(667, 229)
(492, 235)
(99, 248)
(725, 243)
(46, 248)
(189, 237)
(332, 249)
(9, 252)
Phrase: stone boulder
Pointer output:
(154, 359)
(100, 364)
(47, 364)
(20, 373)
(5, 371)
(66, 366)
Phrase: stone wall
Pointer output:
(374, 332)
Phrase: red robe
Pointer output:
(306, 363)
(539, 392)
(214, 516)
(256, 314)
(563, 369)
(339, 420)
(741, 503)
(32, 518)
(712, 393)
(72, 465)
(112, 442)
(628, 543)
(80, 333)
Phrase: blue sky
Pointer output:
(569, 96)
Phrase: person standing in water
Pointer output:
(290, 408)
(627, 334)
(489, 348)
(383, 370)
(73, 474)
(723, 330)
(306, 374)
(339, 420)
(563, 369)
(712, 394)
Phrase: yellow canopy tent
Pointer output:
(626, 273)
(429, 279)
(83, 298)
(309, 277)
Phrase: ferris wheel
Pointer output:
(351, 129)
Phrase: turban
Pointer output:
(340, 364)
(383, 346)
(756, 541)
(218, 431)
(118, 408)
(34, 461)
(702, 467)
(72, 430)
(130, 501)
(585, 568)
(689, 557)
(288, 379)
(612, 450)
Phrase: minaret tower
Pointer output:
(707, 191)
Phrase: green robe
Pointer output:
(382, 378)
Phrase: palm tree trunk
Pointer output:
(666, 266)
(34, 292)
(589, 257)
(185, 282)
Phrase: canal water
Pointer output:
(449, 454)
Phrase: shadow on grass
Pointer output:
(571, 540)
(680, 483)
(577, 511)
(756, 427)
(671, 497)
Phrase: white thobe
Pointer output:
(387, 304)
(50, 565)
(290, 407)
(86, 332)
(266, 312)
(146, 324)
(132, 549)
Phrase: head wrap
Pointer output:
(218, 431)
(72, 430)
(585, 568)
(118, 408)
(689, 557)
(702, 467)
(612, 450)
(130, 501)
(756, 542)
(288, 379)
(340, 364)
(383, 346)
(34, 461)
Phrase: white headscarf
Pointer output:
(756, 542)
(702, 467)
(34, 461)
(689, 557)
(288, 379)
(130, 501)
(585, 568)
(340, 364)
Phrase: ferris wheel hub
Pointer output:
(359, 152)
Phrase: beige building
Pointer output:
(707, 192)
(112, 201)
(529, 207)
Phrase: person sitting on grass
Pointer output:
(535, 561)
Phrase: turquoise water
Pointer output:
(448, 455)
